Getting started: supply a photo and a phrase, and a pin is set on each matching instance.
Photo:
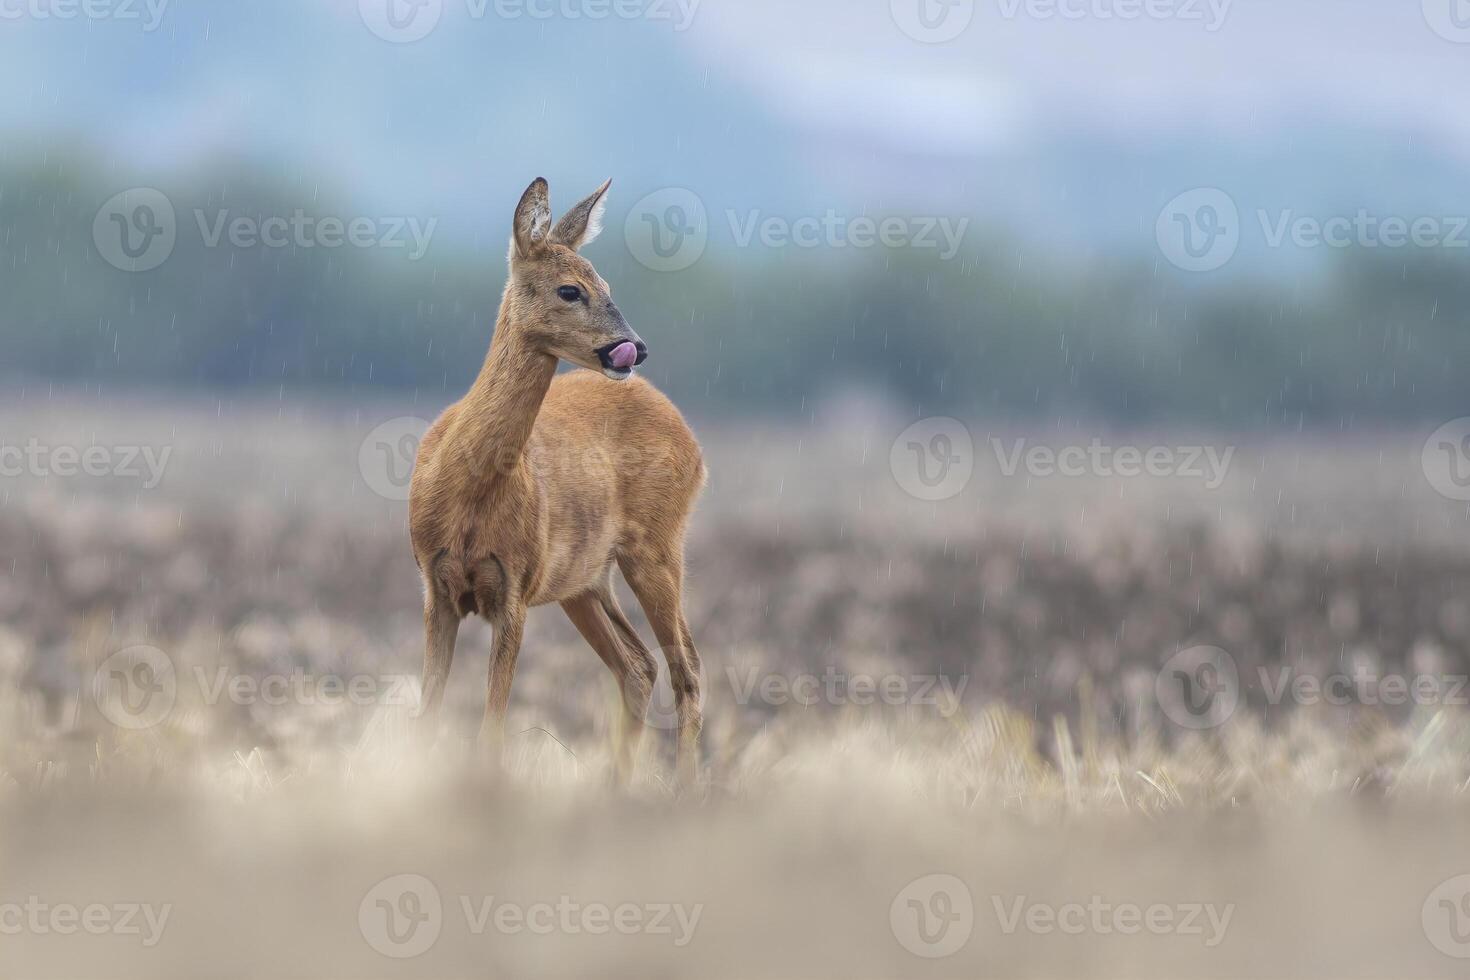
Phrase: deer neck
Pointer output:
(506, 397)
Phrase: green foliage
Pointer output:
(993, 332)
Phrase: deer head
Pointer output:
(558, 301)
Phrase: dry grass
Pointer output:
(1053, 778)
(793, 855)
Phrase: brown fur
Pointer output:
(532, 486)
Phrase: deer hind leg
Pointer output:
(657, 579)
(631, 664)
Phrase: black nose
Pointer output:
(642, 352)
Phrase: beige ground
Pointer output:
(1291, 841)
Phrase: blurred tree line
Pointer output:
(996, 332)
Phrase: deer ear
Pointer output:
(533, 217)
(583, 223)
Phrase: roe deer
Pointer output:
(528, 489)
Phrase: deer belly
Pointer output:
(579, 543)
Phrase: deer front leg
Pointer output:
(509, 626)
(441, 630)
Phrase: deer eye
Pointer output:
(569, 293)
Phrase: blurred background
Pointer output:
(1047, 139)
(1085, 375)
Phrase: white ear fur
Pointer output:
(594, 221)
(533, 218)
(540, 222)
(582, 224)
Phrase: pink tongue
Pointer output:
(623, 356)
